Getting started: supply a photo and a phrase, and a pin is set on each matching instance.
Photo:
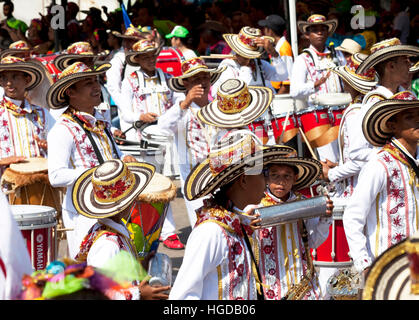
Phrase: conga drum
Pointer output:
(27, 182)
(150, 212)
(38, 226)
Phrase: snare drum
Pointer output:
(334, 252)
(156, 138)
(38, 226)
(150, 212)
(259, 129)
(314, 122)
(153, 155)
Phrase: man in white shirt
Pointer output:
(383, 208)
(311, 76)
(80, 140)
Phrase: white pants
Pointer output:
(324, 275)
(169, 225)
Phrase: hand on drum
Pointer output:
(119, 134)
(196, 92)
(148, 292)
(42, 144)
(149, 117)
(12, 159)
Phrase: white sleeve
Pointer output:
(205, 250)
(371, 181)
(277, 71)
(126, 105)
(60, 145)
(300, 87)
(318, 230)
(171, 118)
(102, 250)
(113, 79)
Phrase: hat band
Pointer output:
(193, 64)
(115, 191)
(385, 44)
(248, 42)
(234, 104)
(360, 76)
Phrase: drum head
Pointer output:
(283, 103)
(333, 99)
(160, 189)
(26, 214)
(155, 134)
(30, 165)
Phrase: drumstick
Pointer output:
(283, 127)
(307, 143)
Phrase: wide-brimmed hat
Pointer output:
(190, 68)
(140, 47)
(309, 169)
(74, 73)
(374, 124)
(16, 47)
(76, 51)
(244, 43)
(35, 70)
(108, 189)
(364, 82)
(394, 273)
(349, 46)
(130, 33)
(236, 105)
(239, 152)
(385, 50)
(414, 68)
(317, 19)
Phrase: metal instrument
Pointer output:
(160, 270)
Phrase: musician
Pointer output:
(218, 262)
(19, 49)
(383, 208)
(390, 59)
(274, 26)
(344, 174)
(24, 126)
(311, 76)
(110, 205)
(80, 139)
(191, 142)
(284, 250)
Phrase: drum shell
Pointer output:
(170, 60)
(314, 122)
(336, 114)
(292, 211)
(38, 227)
(259, 129)
(291, 128)
(334, 251)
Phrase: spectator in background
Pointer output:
(211, 40)
(11, 21)
(401, 22)
(73, 27)
(179, 39)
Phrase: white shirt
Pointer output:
(363, 222)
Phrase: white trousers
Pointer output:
(169, 225)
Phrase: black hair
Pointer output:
(10, 4)
(294, 168)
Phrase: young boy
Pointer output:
(285, 260)
(383, 208)
(108, 193)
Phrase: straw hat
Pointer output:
(364, 82)
(317, 19)
(236, 105)
(71, 75)
(349, 46)
(140, 47)
(108, 189)
(17, 47)
(190, 68)
(77, 50)
(374, 124)
(385, 50)
(131, 33)
(244, 43)
(414, 68)
(35, 70)
(235, 154)
(394, 274)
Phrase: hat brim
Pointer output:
(176, 83)
(201, 182)
(261, 98)
(56, 93)
(331, 24)
(36, 71)
(62, 61)
(385, 54)
(374, 124)
(359, 84)
(130, 56)
(309, 170)
(240, 49)
(85, 203)
(12, 52)
(389, 276)
(120, 35)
